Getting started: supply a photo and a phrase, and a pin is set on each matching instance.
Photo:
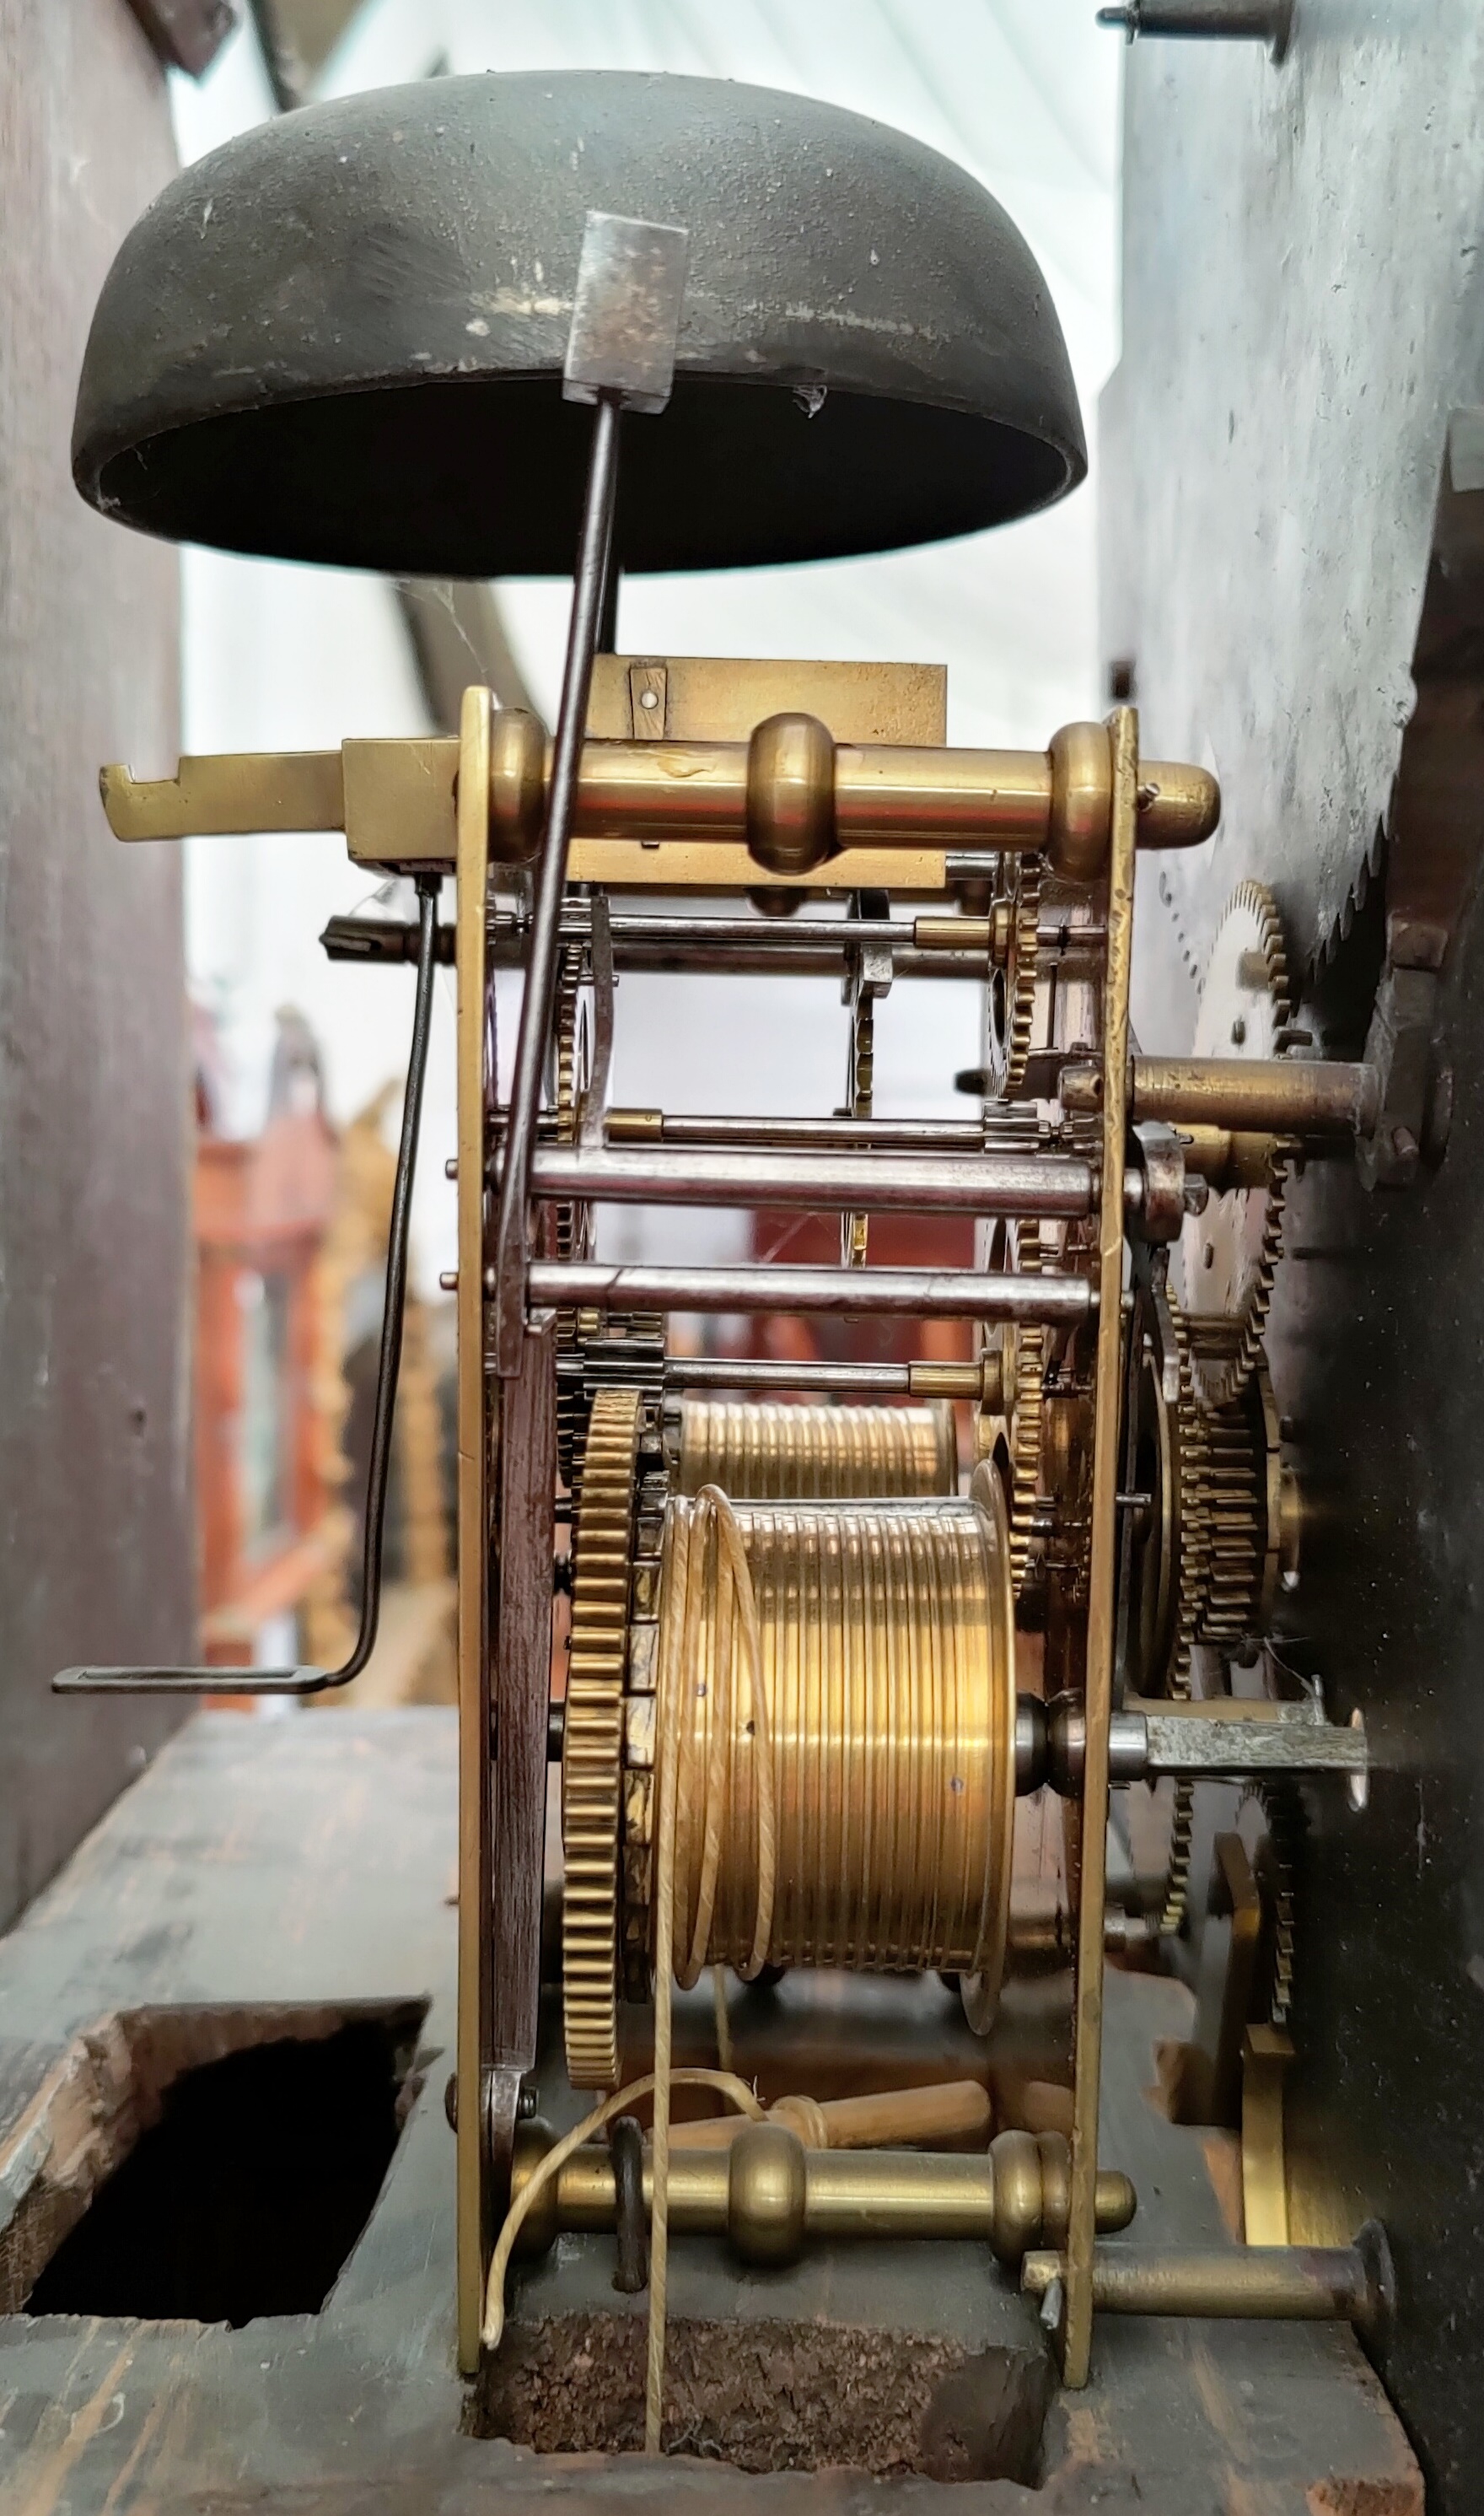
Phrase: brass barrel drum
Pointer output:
(755, 1448)
(839, 1723)
(889, 1682)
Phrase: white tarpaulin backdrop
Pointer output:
(1023, 92)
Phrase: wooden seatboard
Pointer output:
(304, 1859)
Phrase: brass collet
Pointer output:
(769, 2195)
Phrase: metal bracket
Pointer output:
(648, 701)
(625, 312)
(868, 975)
(1413, 1095)
(868, 966)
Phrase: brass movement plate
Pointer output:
(719, 698)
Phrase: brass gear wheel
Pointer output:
(1173, 1554)
(1172, 1563)
(1276, 1862)
(573, 1222)
(1237, 1519)
(570, 1044)
(1194, 1505)
(1024, 1351)
(1224, 1352)
(1227, 1256)
(573, 1066)
(1012, 985)
(1224, 1490)
(1039, 1433)
(1227, 1499)
(591, 1757)
(1206, 1565)
(1286, 1829)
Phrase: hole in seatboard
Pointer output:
(208, 2165)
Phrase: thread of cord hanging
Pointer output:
(708, 1531)
(720, 2018)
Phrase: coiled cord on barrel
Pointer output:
(760, 1449)
(887, 1677)
(866, 1726)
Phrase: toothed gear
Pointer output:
(1174, 1580)
(591, 1758)
(1013, 988)
(1286, 1827)
(1226, 1351)
(1227, 1256)
(1176, 1899)
(1025, 1364)
(1024, 968)
(1234, 1501)
(1191, 1595)
(573, 1222)
(1236, 1514)
(1173, 1560)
